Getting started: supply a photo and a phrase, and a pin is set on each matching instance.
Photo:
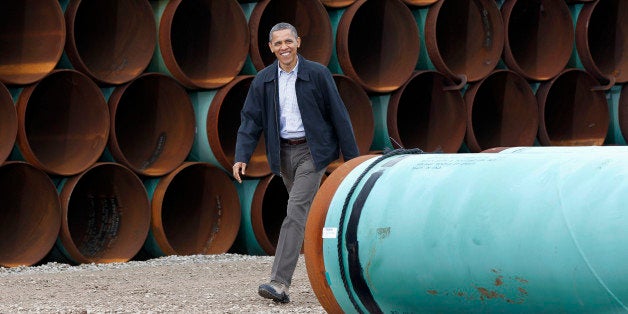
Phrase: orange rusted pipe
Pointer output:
(420, 3)
(358, 105)
(601, 32)
(195, 210)
(203, 44)
(111, 41)
(217, 120)
(310, 19)
(152, 124)
(571, 113)
(501, 112)
(424, 114)
(464, 37)
(32, 36)
(106, 215)
(377, 44)
(539, 37)
(63, 123)
(8, 123)
(31, 214)
(334, 4)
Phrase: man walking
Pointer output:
(296, 104)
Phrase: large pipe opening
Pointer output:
(378, 44)
(424, 115)
(63, 123)
(502, 112)
(268, 210)
(152, 124)
(30, 214)
(571, 114)
(32, 33)
(601, 33)
(310, 19)
(106, 215)
(195, 210)
(223, 121)
(539, 37)
(8, 121)
(464, 37)
(361, 115)
(197, 46)
(110, 41)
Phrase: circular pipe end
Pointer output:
(268, 210)
(601, 39)
(501, 111)
(539, 37)
(309, 18)
(106, 214)
(32, 35)
(571, 113)
(464, 37)
(197, 48)
(112, 42)
(31, 214)
(378, 44)
(195, 210)
(8, 121)
(424, 114)
(152, 124)
(419, 3)
(313, 241)
(63, 123)
(223, 121)
(335, 4)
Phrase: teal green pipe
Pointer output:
(157, 63)
(246, 242)
(524, 232)
(151, 246)
(575, 61)
(334, 19)
(424, 62)
(381, 138)
(248, 68)
(201, 150)
(614, 136)
(106, 154)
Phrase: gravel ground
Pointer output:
(225, 283)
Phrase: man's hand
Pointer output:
(237, 167)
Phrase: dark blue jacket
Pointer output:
(325, 118)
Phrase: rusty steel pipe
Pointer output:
(203, 43)
(502, 111)
(32, 35)
(310, 19)
(601, 32)
(218, 119)
(105, 215)
(264, 204)
(464, 37)
(377, 44)
(112, 42)
(622, 111)
(8, 123)
(31, 214)
(152, 124)
(539, 37)
(570, 112)
(195, 210)
(335, 4)
(358, 105)
(423, 114)
(419, 3)
(63, 123)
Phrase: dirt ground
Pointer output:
(225, 283)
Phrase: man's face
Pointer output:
(284, 45)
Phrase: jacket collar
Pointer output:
(303, 73)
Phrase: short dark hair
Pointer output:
(282, 26)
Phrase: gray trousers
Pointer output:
(302, 181)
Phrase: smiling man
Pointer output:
(296, 104)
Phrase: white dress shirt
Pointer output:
(290, 123)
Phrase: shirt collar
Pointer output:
(295, 69)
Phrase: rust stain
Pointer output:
(523, 291)
(432, 292)
(489, 294)
(521, 280)
(495, 270)
(498, 281)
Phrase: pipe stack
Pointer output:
(101, 95)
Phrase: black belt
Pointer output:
(294, 141)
